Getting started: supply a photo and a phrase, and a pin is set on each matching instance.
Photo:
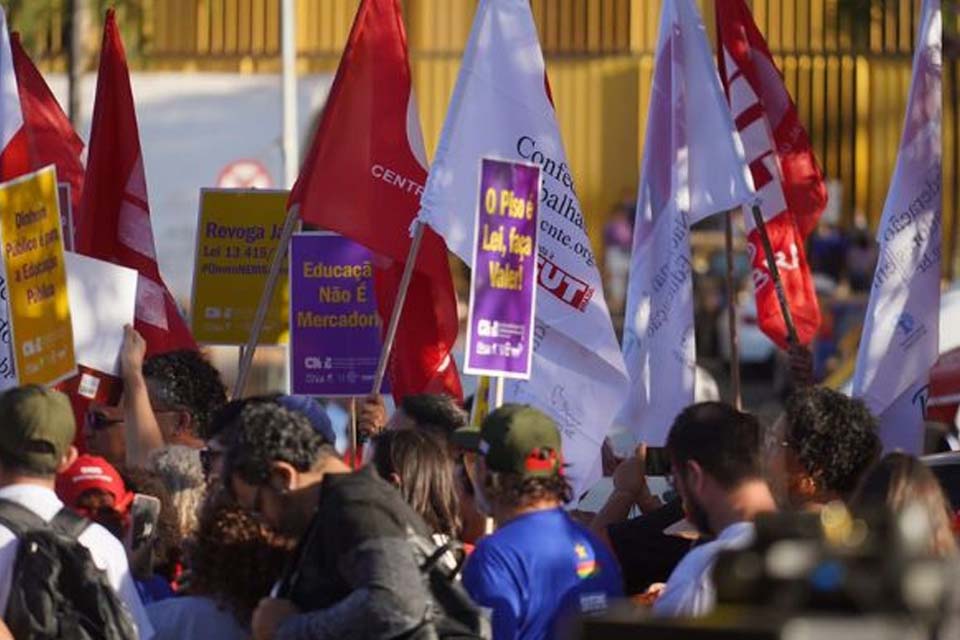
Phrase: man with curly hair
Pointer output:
(355, 568)
(168, 399)
(826, 443)
(540, 566)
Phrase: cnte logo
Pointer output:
(314, 363)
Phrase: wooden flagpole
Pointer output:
(289, 225)
(391, 335)
(733, 329)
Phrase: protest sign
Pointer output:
(334, 326)
(237, 236)
(502, 282)
(66, 214)
(42, 334)
(103, 298)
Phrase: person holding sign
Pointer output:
(168, 399)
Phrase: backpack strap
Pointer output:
(69, 522)
(19, 519)
(452, 547)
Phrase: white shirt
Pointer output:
(689, 591)
(107, 552)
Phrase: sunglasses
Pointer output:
(99, 421)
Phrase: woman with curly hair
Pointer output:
(233, 561)
(820, 448)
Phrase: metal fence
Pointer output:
(845, 62)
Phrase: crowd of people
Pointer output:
(191, 516)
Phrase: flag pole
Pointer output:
(734, 329)
(498, 393)
(775, 273)
(289, 225)
(398, 307)
(354, 441)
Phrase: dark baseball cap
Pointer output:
(516, 439)
(36, 427)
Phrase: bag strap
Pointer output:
(451, 546)
(19, 519)
(70, 523)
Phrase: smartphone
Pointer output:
(658, 462)
(144, 514)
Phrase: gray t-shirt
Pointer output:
(194, 618)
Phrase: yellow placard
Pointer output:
(238, 234)
(42, 333)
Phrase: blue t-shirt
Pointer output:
(538, 569)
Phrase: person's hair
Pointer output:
(900, 480)
(433, 410)
(425, 469)
(185, 379)
(234, 559)
(181, 472)
(15, 467)
(723, 441)
(266, 433)
(834, 438)
(517, 491)
(227, 416)
(168, 543)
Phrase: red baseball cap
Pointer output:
(93, 472)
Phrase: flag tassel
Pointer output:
(246, 359)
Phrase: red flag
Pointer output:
(786, 175)
(50, 136)
(363, 178)
(114, 221)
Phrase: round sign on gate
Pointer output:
(245, 174)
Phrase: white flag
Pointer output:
(901, 333)
(13, 157)
(501, 108)
(693, 167)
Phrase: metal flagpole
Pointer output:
(734, 329)
(775, 272)
(498, 393)
(354, 440)
(288, 36)
(398, 307)
(289, 225)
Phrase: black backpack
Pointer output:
(454, 616)
(57, 591)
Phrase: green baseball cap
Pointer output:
(37, 427)
(516, 439)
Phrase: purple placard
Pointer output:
(334, 325)
(502, 282)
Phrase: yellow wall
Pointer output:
(850, 90)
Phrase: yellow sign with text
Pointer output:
(238, 234)
(42, 333)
